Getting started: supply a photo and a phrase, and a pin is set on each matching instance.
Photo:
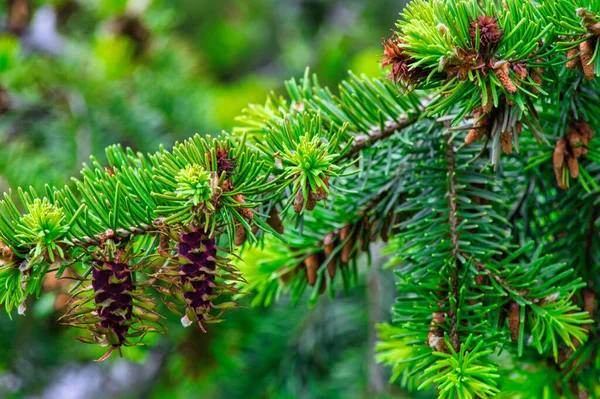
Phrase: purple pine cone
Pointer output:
(113, 284)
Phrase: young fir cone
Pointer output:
(558, 161)
(575, 140)
(520, 70)
(586, 49)
(240, 234)
(113, 284)
(196, 283)
(315, 196)
(299, 202)
(573, 166)
(311, 266)
(586, 134)
(401, 63)
(119, 306)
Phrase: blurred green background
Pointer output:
(78, 75)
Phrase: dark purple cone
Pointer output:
(106, 282)
(201, 252)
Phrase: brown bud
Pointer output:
(587, 52)
(312, 266)
(329, 244)
(275, 221)
(558, 160)
(574, 138)
(573, 58)
(315, 196)
(312, 201)
(474, 135)
(536, 75)
(240, 235)
(573, 165)
(502, 71)
(245, 212)
(520, 70)
(6, 254)
(298, 202)
(586, 132)
(479, 126)
(321, 193)
(506, 142)
(347, 248)
(514, 320)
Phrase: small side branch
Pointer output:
(365, 140)
(453, 220)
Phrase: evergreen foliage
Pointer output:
(475, 162)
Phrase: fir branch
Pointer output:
(505, 284)
(365, 140)
(122, 233)
(455, 251)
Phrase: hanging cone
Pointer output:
(573, 166)
(520, 70)
(587, 53)
(479, 127)
(329, 244)
(240, 234)
(275, 221)
(502, 71)
(558, 160)
(298, 202)
(311, 265)
(537, 75)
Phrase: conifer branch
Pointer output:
(505, 284)
(365, 140)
